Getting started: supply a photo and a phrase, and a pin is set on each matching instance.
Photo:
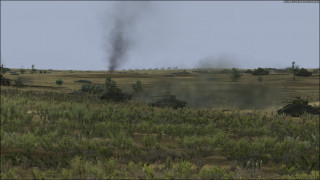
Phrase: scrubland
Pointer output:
(229, 130)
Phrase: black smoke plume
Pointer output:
(119, 46)
(125, 17)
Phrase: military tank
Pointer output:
(169, 100)
(298, 107)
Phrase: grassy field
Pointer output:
(229, 130)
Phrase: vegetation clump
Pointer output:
(92, 88)
(4, 81)
(235, 74)
(137, 87)
(303, 72)
(83, 81)
(3, 69)
(298, 107)
(169, 100)
(260, 71)
(113, 93)
(59, 82)
(18, 82)
(182, 72)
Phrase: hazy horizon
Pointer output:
(211, 34)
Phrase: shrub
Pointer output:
(235, 74)
(215, 173)
(33, 70)
(92, 88)
(249, 71)
(18, 82)
(184, 170)
(22, 71)
(148, 171)
(3, 69)
(59, 82)
(137, 87)
(4, 81)
(260, 71)
(113, 93)
(303, 72)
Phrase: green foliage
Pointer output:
(92, 88)
(260, 72)
(137, 87)
(235, 75)
(303, 72)
(18, 82)
(3, 69)
(148, 171)
(22, 71)
(294, 70)
(62, 136)
(149, 141)
(33, 70)
(215, 173)
(184, 170)
(59, 82)
(4, 81)
(260, 78)
(113, 93)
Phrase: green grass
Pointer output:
(48, 133)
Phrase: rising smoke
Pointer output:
(125, 17)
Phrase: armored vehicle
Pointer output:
(169, 100)
(298, 107)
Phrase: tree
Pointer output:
(22, 71)
(114, 93)
(4, 69)
(137, 87)
(33, 70)
(235, 74)
(59, 82)
(294, 70)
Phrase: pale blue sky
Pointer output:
(190, 34)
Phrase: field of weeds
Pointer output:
(48, 133)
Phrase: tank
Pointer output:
(298, 107)
(169, 100)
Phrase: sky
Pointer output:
(77, 35)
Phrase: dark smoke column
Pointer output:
(119, 45)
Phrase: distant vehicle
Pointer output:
(169, 100)
(14, 73)
(298, 107)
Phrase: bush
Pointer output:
(260, 71)
(184, 170)
(22, 71)
(3, 69)
(33, 70)
(18, 82)
(215, 173)
(92, 88)
(249, 71)
(137, 87)
(235, 74)
(113, 93)
(4, 81)
(303, 72)
(59, 82)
